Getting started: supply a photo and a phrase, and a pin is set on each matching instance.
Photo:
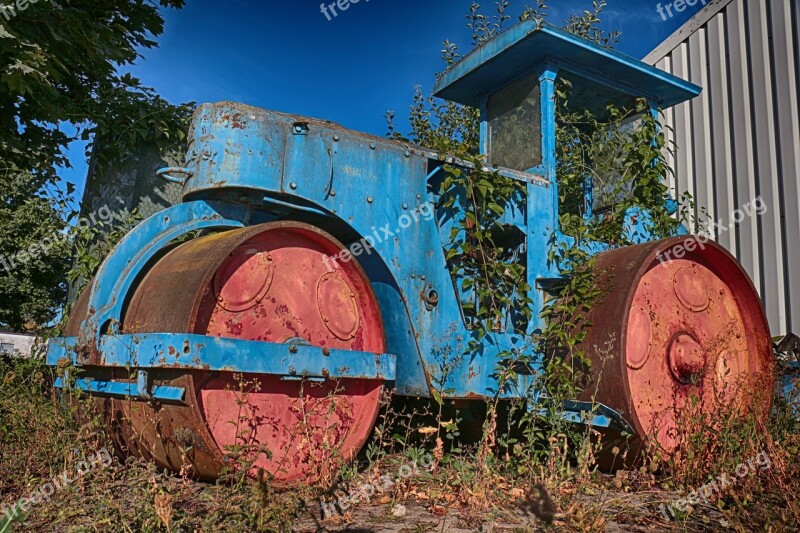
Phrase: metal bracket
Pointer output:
(124, 390)
(143, 384)
(593, 414)
(167, 174)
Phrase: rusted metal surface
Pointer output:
(139, 248)
(220, 285)
(669, 331)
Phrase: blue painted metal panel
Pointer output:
(790, 387)
(252, 150)
(200, 352)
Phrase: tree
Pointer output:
(30, 286)
(60, 72)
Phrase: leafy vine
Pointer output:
(619, 153)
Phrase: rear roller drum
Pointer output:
(266, 283)
(674, 331)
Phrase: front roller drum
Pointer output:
(268, 283)
(680, 330)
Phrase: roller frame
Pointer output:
(167, 351)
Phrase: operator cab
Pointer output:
(512, 80)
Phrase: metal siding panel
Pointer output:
(741, 126)
(788, 125)
(720, 123)
(684, 166)
(668, 123)
(796, 26)
(768, 184)
(701, 131)
(754, 124)
(709, 10)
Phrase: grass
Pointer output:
(429, 468)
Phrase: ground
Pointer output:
(64, 463)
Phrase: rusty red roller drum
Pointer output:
(264, 283)
(680, 319)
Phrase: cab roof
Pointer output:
(600, 75)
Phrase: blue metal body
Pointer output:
(246, 166)
(789, 385)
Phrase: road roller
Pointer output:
(304, 279)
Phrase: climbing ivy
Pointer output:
(622, 152)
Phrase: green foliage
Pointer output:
(444, 126)
(484, 28)
(37, 434)
(485, 268)
(585, 24)
(93, 244)
(60, 82)
(62, 66)
(623, 156)
(34, 252)
(622, 152)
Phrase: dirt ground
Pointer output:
(632, 513)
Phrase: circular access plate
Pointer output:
(673, 342)
(244, 278)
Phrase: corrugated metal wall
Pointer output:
(740, 140)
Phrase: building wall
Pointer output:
(133, 184)
(129, 185)
(740, 140)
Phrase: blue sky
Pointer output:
(287, 56)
